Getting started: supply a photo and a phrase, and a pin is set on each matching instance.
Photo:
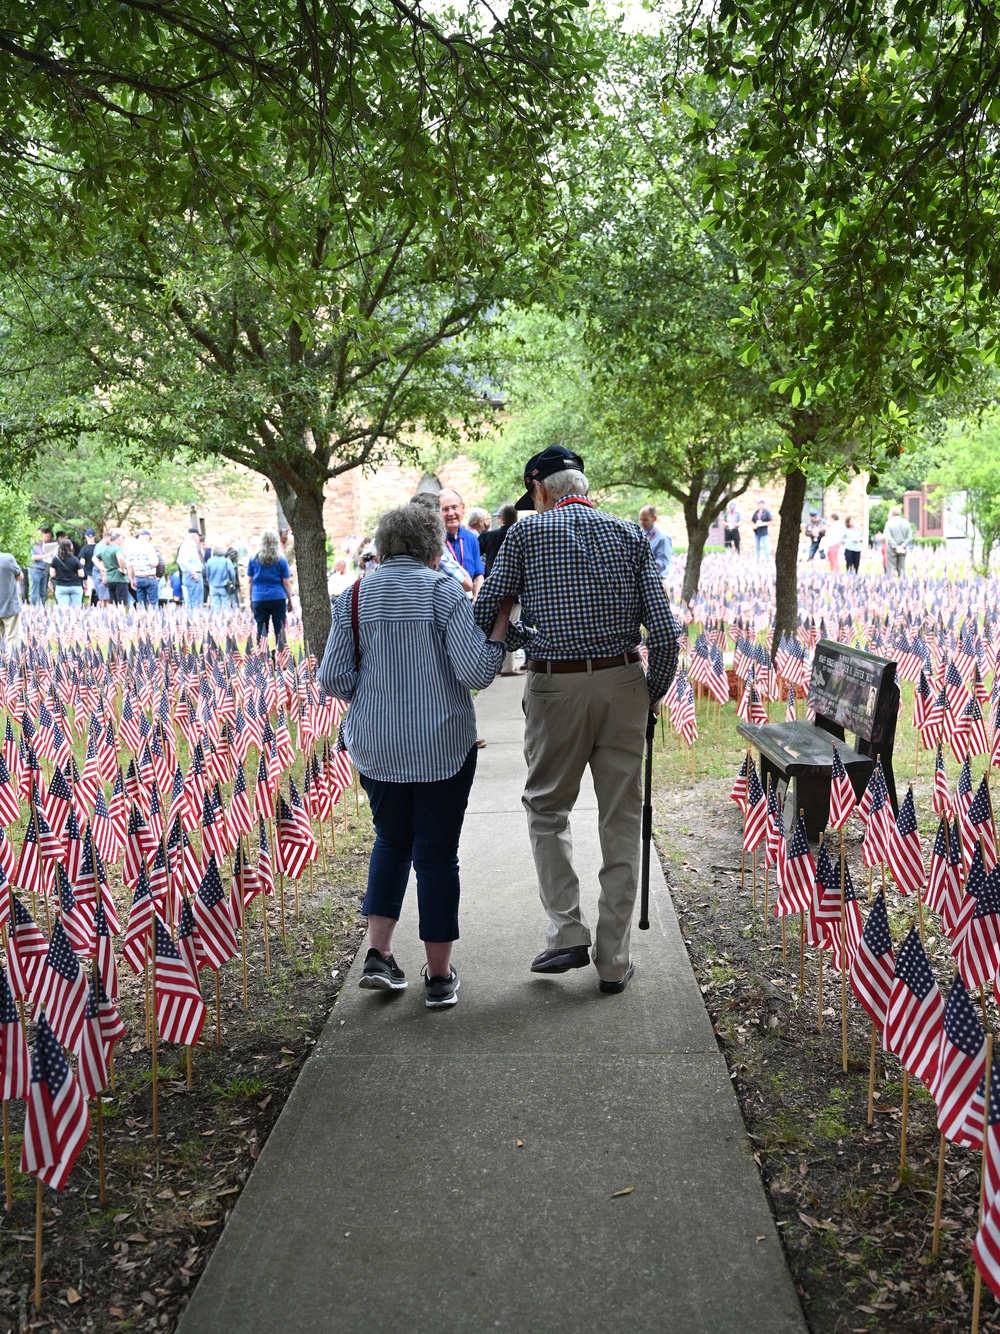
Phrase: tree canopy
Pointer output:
(271, 251)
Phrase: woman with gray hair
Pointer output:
(269, 586)
(405, 650)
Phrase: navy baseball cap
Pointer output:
(554, 459)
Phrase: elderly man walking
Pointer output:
(586, 582)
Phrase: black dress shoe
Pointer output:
(561, 960)
(613, 988)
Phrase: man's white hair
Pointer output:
(566, 482)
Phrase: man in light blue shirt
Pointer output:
(660, 546)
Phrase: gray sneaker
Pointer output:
(440, 992)
(381, 974)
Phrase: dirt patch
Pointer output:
(857, 1231)
(131, 1264)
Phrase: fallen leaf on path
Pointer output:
(519, 1143)
(72, 1296)
(264, 1101)
(625, 1190)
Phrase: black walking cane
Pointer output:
(647, 823)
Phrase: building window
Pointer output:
(430, 484)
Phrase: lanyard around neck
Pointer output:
(574, 500)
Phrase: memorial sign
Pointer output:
(845, 687)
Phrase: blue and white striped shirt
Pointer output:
(411, 718)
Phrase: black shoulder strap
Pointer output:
(355, 627)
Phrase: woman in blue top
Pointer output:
(411, 731)
(221, 572)
(269, 586)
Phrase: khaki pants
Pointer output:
(573, 719)
(11, 626)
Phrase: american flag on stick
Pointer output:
(800, 875)
(56, 1122)
(180, 1010)
(905, 853)
(915, 1018)
(842, 801)
(874, 964)
(961, 1062)
(15, 1059)
(986, 1247)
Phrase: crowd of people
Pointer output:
(131, 571)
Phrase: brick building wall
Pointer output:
(241, 504)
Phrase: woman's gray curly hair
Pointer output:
(270, 548)
(410, 530)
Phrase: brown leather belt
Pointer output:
(580, 664)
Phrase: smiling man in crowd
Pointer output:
(463, 543)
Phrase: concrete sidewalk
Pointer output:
(392, 1193)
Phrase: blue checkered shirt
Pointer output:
(587, 583)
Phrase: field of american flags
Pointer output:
(187, 692)
(858, 1230)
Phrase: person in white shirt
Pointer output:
(339, 579)
(191, 563)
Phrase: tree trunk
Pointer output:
(304, 511)
(786, 558)
(697, 535)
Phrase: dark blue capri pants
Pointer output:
(419, 824)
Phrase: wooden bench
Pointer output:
(849, 691)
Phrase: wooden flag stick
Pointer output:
(243, 926)
(333, 833)
(100, 1150)
(843, 960)
(754, 859)
(38, 1244)
(6, 1159)
(802, 951)
(784, 949)
(297, 878)
(190, 1073)
(936, 1244)
(977, 1290)
(871, 1075)
(156, 1078)
(218, 1010)
(906, 1116)
(819, 1003)
(267, 948)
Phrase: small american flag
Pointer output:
(905, 853)
(739, 792)
(140, 924)
(15, 1059)
(56, 1122)
(986, 1247)
(755, 826)
(62, 988)
(92, 1066)
(874, 965)
(27, 950)
(977, 949)
(961, 1063)
(216, 938)
(180, 1010)
(800, 875)
(914, 1022)
(841, 793)
(942, 792)
(980, 824)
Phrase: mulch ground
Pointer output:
(857, 1230)
(131, 1263)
